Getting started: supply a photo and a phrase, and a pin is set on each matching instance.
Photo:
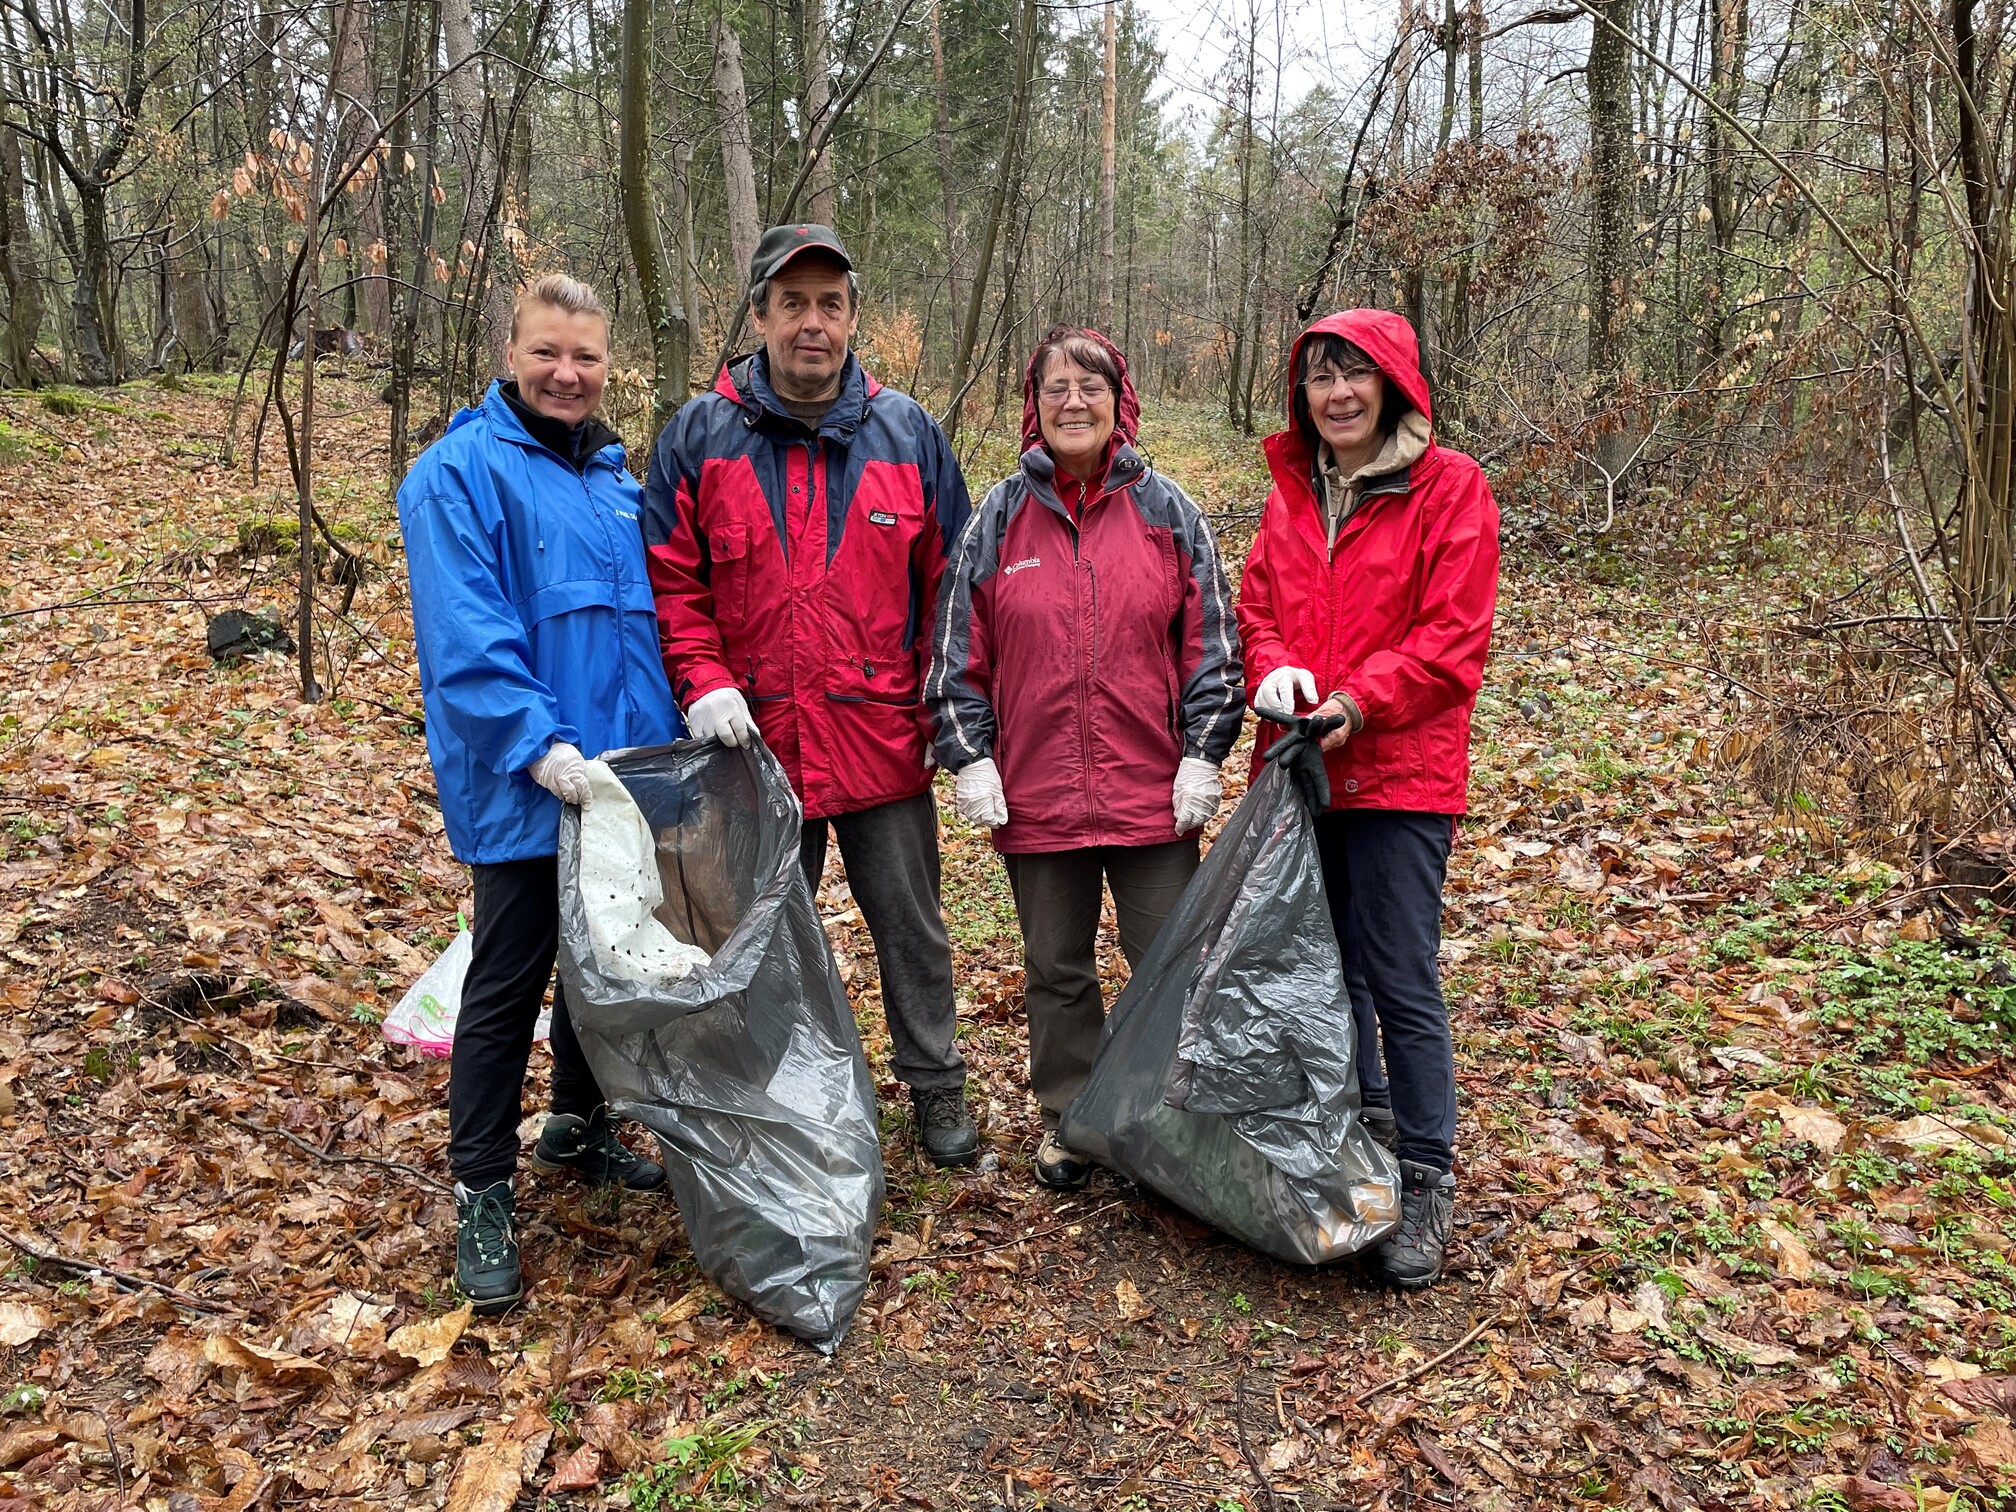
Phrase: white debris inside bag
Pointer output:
(620, 889)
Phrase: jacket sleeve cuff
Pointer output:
(709, 682)
(1355, 714)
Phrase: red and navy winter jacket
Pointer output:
(1086, 659)
(1397, 614)
(803, 569)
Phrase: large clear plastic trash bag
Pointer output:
(1225, 1080)
(749, 1070)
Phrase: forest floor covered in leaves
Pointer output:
(1735, 1223)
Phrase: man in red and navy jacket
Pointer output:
(796, 524)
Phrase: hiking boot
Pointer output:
(589, 1148)
(1058, 1167)
(944, 1126)
(1411, 1258)
(1380, 1125)
(486, 1247)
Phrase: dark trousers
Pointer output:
(1383, 871)
(516, 934)
(891, 856)
(1057, 904)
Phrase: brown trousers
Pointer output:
(1057, 897)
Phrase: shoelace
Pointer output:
(490, 1206)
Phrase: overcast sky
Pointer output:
(1324, 41)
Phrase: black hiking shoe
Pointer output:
(486, 1247)
(944, 1127)
(1411, 1258)
(1384, 1131)
(1057, 1167)
(589, 1148)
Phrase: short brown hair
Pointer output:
(1075, 344)
(558, 291)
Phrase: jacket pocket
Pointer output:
(863, 677)
(728, 547)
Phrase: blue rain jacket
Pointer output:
(532, 620)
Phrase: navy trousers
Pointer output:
(1383, 870)
(516, 936)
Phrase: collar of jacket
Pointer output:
(1040, 469)
(507, 426)
(1292, 460)
(747, 382)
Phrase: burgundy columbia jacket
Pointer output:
(1397, 615)
(1087, 660)
(804, 569)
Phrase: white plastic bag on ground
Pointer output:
(621, 890)
(425, 1017)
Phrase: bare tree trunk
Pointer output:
(24, 296)
(822, 194)
(1109, 120)
(738, 162)
(1011, 149)
(353, 83)
(1612, 173)
(1728, 49)
(942, 131)
(656, 279)
(479, 167)
(417, 40)
(1236, 387)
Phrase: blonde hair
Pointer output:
(559, 292)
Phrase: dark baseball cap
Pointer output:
(782, 243)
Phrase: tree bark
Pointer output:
(1612, 174)
(1011, 149)
(822, 193)
(657, 281)
(417, 39)
(479, 155)
(1109, 120)
(357, 99)
(738, 161)
(24, 295)
(942, 132)
(1728, 50)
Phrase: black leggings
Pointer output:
(517, 933)
(1383, 870)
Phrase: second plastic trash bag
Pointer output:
(749, 1069)
(1226, 1079)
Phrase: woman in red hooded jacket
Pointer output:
(1369, 594)
(1085, 684)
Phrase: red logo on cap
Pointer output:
(804, 230)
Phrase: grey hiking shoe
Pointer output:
(1411, 1258)
(944, 1127)
(486, 1247)
(589, 1148)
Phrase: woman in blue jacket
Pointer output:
(537, 641)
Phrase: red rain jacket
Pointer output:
(1087, 660)
(1398, 616)
(804, 569)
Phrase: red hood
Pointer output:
(1383, 336)
(1126, 416)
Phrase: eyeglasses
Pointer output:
(1091, 390)
(1329, 378)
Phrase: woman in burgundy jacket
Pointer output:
(1369, 594)
(1085, 686)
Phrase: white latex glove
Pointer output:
(722, 715)
(1197, 793)
(1281, 688)
(562, 772)
(976, 793)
